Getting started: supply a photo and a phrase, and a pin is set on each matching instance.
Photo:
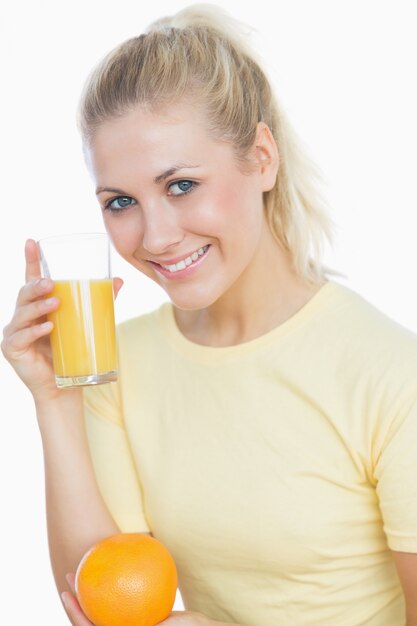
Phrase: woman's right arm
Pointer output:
(77, 516)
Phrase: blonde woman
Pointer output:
(264, 425)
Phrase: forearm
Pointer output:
(76, 513)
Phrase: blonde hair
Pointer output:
(201, 53)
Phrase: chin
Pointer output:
(190, 304)
(192, 301)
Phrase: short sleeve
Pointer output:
(112, 459)
(396, 476)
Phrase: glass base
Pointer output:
(80, 381)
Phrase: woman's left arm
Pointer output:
(406, 564)
(177, 618)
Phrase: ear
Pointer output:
(267, 156)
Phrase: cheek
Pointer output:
(227, 207)
(124, 232)
(241, 209)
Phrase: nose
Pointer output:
(161, 230)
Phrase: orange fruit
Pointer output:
(126, 579)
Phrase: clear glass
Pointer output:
(83, 338)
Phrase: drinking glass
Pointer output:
(83, 338)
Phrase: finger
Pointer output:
(27, 314)
(33, 290)
(33, 267)
(172, 619)
(71, 581)
(16, 344)
(185, 618)
(117, 285)
(74, 611)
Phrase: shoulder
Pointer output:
(369, 345)
(360, 320)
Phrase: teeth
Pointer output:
(181, 265)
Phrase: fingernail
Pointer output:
(50, 301)
(64, 599)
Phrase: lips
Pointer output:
(186, 262)
(184, 265)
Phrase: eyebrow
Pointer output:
(172, 170)
(111, 189)
(158, 179)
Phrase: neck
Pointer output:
(266, 295)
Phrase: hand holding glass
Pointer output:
(83, 338)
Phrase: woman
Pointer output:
(264, 423)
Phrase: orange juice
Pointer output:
(83, 338)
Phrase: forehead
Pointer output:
(146, 122)
(145, 137)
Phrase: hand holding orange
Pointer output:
(126, 579)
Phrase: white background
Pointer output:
(345, 72)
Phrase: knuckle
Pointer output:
(22, 291)
(29, 289)
(37, 330)
(4, 347)
(41, 305)
(31, 332)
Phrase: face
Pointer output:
(176, 204)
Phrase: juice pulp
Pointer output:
(83, 338)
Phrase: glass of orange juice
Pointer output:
(83, 338)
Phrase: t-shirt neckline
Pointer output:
(208, 353)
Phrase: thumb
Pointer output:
(117, 285)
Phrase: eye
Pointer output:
(181, 187)
(119, 203)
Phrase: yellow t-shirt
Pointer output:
(278, 472)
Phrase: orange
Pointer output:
(129, 579)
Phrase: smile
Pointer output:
(189, 260)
